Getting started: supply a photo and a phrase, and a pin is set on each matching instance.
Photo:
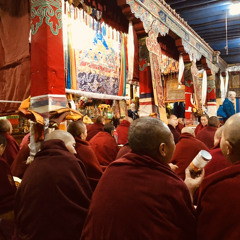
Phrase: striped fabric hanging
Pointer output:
(72, 75)
(123, 68)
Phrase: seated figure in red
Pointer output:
(122, 130)
(206, 135)
(218, 204)
(203, 123)
(186, 150)
(96, 127)
(139, 196)
(7, 195)
(104, 145)
(85, 152)
(12, 146)
(53, 198)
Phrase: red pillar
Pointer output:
(47, 58)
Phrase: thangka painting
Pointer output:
(97, 49)
(173, 91)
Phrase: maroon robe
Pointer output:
(139, 198)
(123, 150)
(198, 128)
(7, 187)
(86, 154)
(218, 207)
(105, 148)
(7, 198)
(175, 133)
(93, 130)
(179, 127)
(206, 135)
(186, 149)
(52, 200)
(217, 163)
(19, 165)
(25, 140)
(11, 149)
(122, 131)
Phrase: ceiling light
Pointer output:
(234, 9)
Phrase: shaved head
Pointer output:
(66, 137)
(76, 128)
(213, 122)
(147, 134)
(230, 142)
(188, 130)
(231, 129)
(5, 126)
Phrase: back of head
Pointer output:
(230, 142)
(5, 126)
(76, 128)
(100, 119)
(188, 130)
(146, 134)
(108, 128)
(66, 137)
(213, 122)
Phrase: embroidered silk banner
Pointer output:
(155, 61)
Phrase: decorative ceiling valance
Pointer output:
(150, 21)
(152, 12)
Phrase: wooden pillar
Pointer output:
(47, 57)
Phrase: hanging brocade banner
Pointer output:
(98, 55)
(197, 85)
(155, 61)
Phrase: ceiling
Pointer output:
(208, 19)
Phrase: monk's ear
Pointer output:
(162, 149)
(229, 147)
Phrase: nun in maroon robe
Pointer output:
(85, 152)
(11, 150)
(218, 208)
(139, 196)
(53, 198)
(206, 135)
(186, 150)
(218, 205)
(7, 196)
(122, 131)
(19, 165)
(104, 145)
(95, 128)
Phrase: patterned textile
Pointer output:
(100, 61)
(146, 101)
(123, 67)
(188, 90)
(155, 60)
(197, 85)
